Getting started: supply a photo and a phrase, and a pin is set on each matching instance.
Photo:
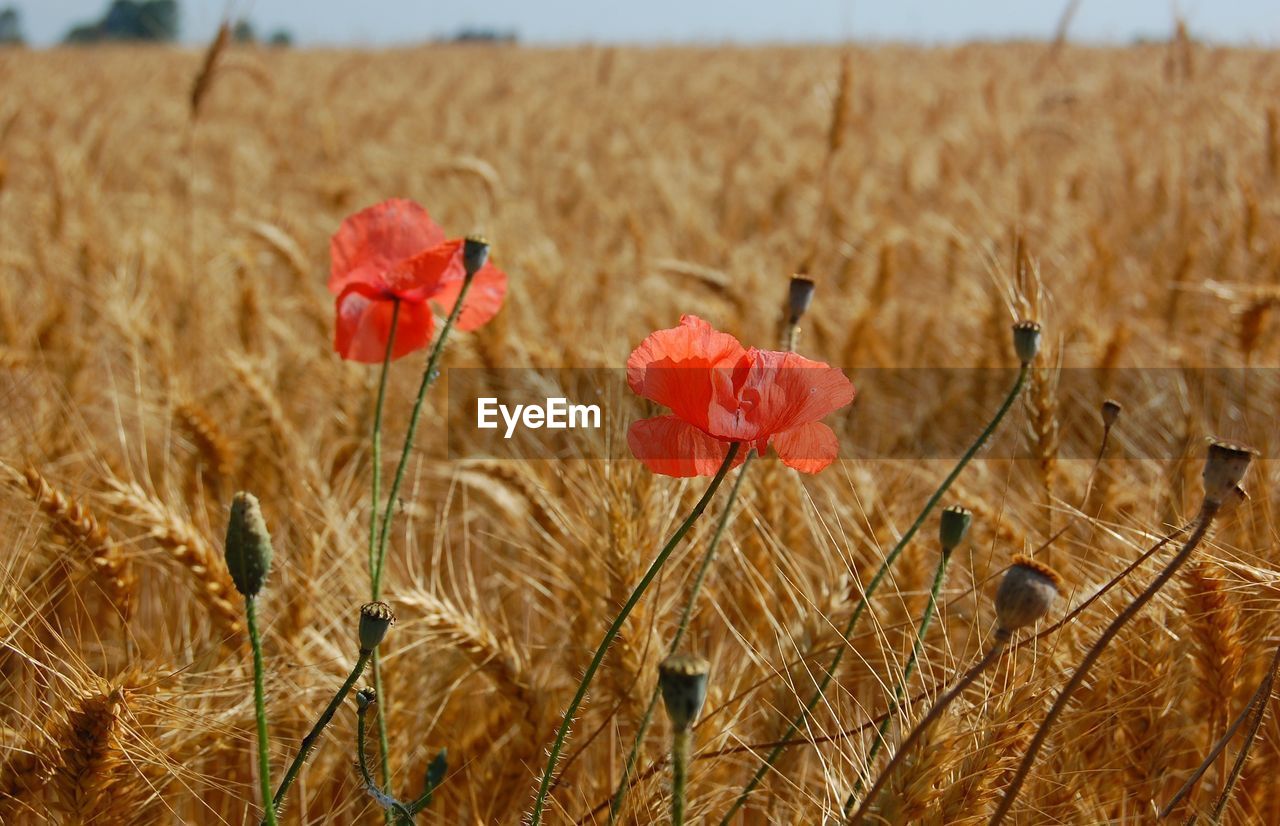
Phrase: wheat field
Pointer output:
(166, 340)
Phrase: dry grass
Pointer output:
(164, 339)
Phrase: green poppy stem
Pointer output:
(939, 576)
(377, 436)
(384, 532)
(313, 736)
(396, 812)
(428, 378)
(384, 740)
(540, 802)
(260, 711)
(935, 711)
(679, 770)
(879, 576)
(624, 785)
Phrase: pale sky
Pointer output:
(379, 22)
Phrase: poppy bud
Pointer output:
(953, 527)
(799, 297)
(475, 252)
(1026, 340)
(1110, 412)
(248, 548)
(683, 679)
(1025, 595)
(1223, 469)
(366, 697)
(375, 619)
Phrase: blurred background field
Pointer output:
(165, 339)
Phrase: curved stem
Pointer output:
(260, 711)
(880, 574)
(1263, 691)
(540, 801)
(377, 436)
(1259, 711)
(624, 784)
(1207, 511)
(1002, 639)
(939, 576)
(657, 765)
(392, 807)
(309, 742)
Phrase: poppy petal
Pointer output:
(688, 368)
(784, 390)
(672, 447)
(420, 277)
(371, 242)
(808, 448)
(484, 299)
(364, 325)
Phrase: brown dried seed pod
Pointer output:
(1026, 594)
(1224, 467)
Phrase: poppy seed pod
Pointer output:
(1025, 595)
(683, 679)
(799, 297)
(375, 619)
(1110, 412)
(248, 549)
(1026, 340)
(475, 253)
(1224, 467)
(953, 526)
(366, 697)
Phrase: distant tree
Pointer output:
(11, 27)
(281, 38)
(83, 33)
(158, 19)
(484, 35)
(242, 32)
(149, 20)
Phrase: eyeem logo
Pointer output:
(554, 414)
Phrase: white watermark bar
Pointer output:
(555, 413)
(898, 413)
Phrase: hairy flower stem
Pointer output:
(939, 576)
(428, 378)
(384, 530)
(309, 742)
(396, 811)
(993, 654)
(1207, 511)
(377, 437)
(540, 801)
(384, 741)
(708, 556)
(679, 772)
(260, 711)
(879, 576)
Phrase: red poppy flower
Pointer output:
(395, 251)
(720, 392)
